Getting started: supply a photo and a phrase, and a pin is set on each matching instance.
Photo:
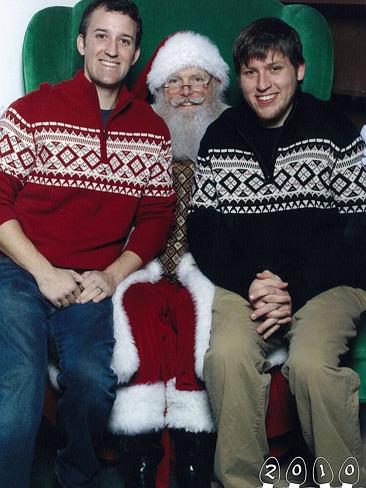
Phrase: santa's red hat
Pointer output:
(182, 50)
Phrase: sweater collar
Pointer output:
(85, 88)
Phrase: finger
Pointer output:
(278, 298)
(279, 313)
(272, 282)
(270, 276)
(271, 285)
(89, 294)
(285, 321)
(267, 274)
(98, 282)
(91, 276)
(64, 302)
(266, 324)
(70, 298)
(270, 331)
(56, 303)
(258, 304)
(269, 307)
(100, 297)
(85, 296)
(92, 279)
(77, 292)
(268, 291)
(287, 307)
(275, 282)
(77, 276)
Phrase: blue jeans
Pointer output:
(83, 335)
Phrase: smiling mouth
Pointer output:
(109, 64)
(188, 104)
(264, 99)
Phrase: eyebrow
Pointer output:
(271, 63)
(99, 29)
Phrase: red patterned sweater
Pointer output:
(78, 188)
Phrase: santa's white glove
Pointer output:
(363, 135)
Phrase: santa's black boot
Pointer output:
(194, 455)
(140, 456)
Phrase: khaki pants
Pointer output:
(235, 372)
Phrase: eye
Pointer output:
(197, 79)
(100, 35)
(249, 73)
(125, 41)
(173, 81)
(276, 67)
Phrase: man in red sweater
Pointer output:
(85, 199)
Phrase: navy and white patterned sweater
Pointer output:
(306, 222)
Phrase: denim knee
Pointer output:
(92, 384)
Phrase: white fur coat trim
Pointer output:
(53, 373)
(138, 409)
(202, 293)
(188, 410)
(278, 356)
(125, 359)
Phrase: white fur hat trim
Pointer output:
(182, 50)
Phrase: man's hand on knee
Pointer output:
(96, 286)
(271, 302)
(59, 286)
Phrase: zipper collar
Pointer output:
(87, 89)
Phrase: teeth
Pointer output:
(265, 98)
(109, 63)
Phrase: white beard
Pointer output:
(187, 127)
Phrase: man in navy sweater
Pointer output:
(276, 222)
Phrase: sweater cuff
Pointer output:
(146, 246)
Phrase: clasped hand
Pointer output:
(63, 287)
(271, 303)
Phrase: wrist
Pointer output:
(41, 270)
(114, 277)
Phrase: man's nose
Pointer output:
(263, 81)
(112, 48)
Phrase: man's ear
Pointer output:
(80, 43)
(301, 72)
(136, 56)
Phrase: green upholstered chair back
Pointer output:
(49, 52)
(358, 356)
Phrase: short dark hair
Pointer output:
(263, 35)
(122, 6)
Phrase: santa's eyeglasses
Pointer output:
(195, 83)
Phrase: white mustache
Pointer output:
(176, 101)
